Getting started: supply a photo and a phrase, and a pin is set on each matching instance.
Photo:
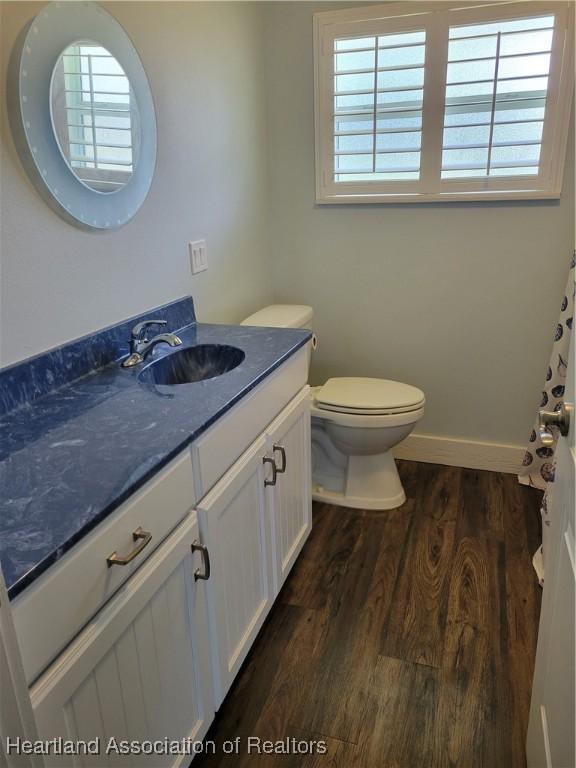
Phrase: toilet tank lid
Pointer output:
(282, 316)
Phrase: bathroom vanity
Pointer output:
(134, 620)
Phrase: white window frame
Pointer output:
(436, 18)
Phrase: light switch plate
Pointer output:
(198, 256)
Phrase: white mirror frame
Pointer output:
(54, 29)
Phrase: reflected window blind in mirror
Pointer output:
(95, 118)
(418, 102)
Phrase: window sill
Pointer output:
(475, 197)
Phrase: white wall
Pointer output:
(459, 299)
(204, 62)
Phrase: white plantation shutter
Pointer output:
(378, 89)
(442, 103)
(496, 89)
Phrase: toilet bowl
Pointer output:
(355, 423)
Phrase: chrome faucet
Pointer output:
(141, 345)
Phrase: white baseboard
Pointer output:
(433, 449)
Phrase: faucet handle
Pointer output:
(139, 329)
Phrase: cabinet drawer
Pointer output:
(55, 607)
(223, 443)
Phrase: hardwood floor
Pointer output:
(402, 639)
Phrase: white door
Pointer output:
(550, 742)
(16, 717)
(290, 498)
(234, 525)
(141, 669)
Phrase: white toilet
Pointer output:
(355, 423)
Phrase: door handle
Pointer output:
(559, 419)
(282, 451)
(197, 547)
(268, 460)
(145, 537)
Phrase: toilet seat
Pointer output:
(368, 411)
(365, 420)
(368, 397)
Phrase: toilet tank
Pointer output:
(282, 316)
(285, 316)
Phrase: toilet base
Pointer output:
(356, 502)
(369, 482)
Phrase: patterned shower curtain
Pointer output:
(538, 465)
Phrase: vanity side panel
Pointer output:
(16, 716)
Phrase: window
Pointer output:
(419, 102)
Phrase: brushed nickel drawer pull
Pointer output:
(145, 537)
(197, 547)
(282, 451)
(267, 460)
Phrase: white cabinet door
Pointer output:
(290, 499)
(141, 669)
(234, 526)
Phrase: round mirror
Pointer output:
(82, 113)
(95, 116)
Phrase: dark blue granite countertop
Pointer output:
(69, 458)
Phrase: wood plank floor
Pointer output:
(402, 639)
